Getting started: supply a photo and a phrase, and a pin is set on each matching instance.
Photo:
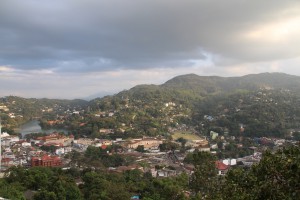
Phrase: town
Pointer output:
(151, 138)
(157, 155)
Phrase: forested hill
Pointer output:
(192, 87)
(266, 104)
(214, 84)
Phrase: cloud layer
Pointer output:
(74, 38)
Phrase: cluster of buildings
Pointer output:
(22, 152)
(16, 151)
(27, 153)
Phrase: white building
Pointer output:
(59, 151)
(229, 162)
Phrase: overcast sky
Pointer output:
(77, 48)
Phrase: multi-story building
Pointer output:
(146, 142)
(46, 161)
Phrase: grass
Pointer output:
(187, 136)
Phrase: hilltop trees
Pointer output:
(254, 113)
(49, 183)
(203, 179)
(275, 177)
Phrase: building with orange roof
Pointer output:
(46, 161)
(221, 167)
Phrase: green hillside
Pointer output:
(265, 104)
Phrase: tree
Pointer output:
(205, 172)
(45, 195)
(98, 186)
(296, 136)
(275, 177)
(11, 191)
(183, 142)
(167, 146)
(140, 148)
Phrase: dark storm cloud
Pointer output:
(96, 35)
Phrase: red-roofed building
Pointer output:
(222, 168)
(7, 162)
(46, 161)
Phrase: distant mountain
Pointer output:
(213, 84)
(189, 89)
(194, 86)
(271, 80)
(97, 95)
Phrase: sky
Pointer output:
(70, 49)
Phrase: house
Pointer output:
(166, 173)
(208, 117)
(122, 168)
(197, 143)
(135, 197)
(205, 148)
(26, 144)
(214, 146)
(7, 162)
(102, 142)
(213, 135)
(146, 142)
(4, 108)
(84, 141)
(221, 167)
(13, 138)
(110, 114)
(106, 131)
(4, 134)
(59, 151)
(67, 149)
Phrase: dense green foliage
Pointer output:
(260, 113)
(275, 177)
(47, 183)
(101, 155)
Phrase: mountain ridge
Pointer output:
(201, 86)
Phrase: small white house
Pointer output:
(59, 151)
(26, 144)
